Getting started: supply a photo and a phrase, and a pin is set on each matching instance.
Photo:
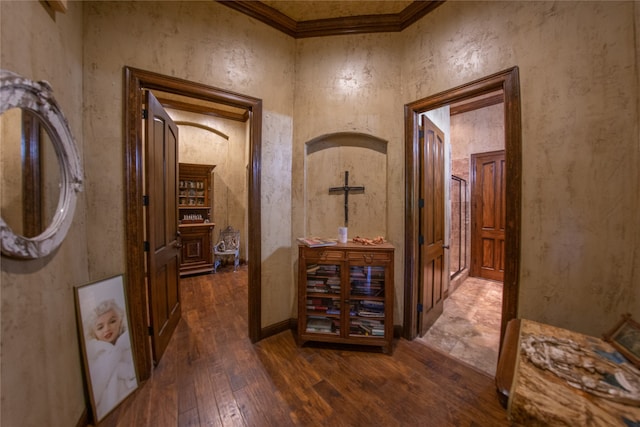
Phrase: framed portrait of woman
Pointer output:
(103, 323)
(625, 337)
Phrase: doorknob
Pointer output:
(445, 246)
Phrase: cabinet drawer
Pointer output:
(323, 254)
(369, 257)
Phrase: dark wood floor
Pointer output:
(211, 375)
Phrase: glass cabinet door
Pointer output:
(323, 299)
(367, 300)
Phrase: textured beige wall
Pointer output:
(350, 84)
(579, 89)
(203, 42)
(365, 158)
(40, 377)
(477, 131)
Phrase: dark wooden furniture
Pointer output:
(507, 361)
(194, 213)
(345, 294)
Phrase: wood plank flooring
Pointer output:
(212, 375)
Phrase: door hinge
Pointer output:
(421, 240)
(151, 331)
(145, 113)
(421, 203)
(145, 200)
(146, 246)
(419, 308)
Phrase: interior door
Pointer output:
(432, 276)
(162, 235)
(488, 215)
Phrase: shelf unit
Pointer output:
(195, 193)
(345, 294)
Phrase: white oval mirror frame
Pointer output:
(17, 91)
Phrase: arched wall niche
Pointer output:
(327, 158)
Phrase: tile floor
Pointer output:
(469, 328)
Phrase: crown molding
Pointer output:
(334, 26)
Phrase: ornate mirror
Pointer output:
(40, 169)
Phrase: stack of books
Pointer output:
(327, 305)
(367, 327)
(370, 308)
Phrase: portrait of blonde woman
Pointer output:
(107, 345)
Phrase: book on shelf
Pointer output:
(317, 242)
(319, 324)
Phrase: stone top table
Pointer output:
(552, 376)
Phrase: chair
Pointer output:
(228, 245)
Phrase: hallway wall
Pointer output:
(41, 381)
(579, 92)
(351, 84)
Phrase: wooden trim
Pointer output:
(507, 361)
(134, 81)
(260, 11)
(83, 420)
(276, 328)
(508, 81)
(476, 104)
(334, 26)
(203, 109)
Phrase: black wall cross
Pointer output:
(346, 189)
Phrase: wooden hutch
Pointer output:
(195, 195)
(345, 294)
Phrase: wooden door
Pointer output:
(162, 236)
(432, 276)
(488, 215)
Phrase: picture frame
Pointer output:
(103, 326)
(625, 337)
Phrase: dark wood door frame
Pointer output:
(509, 82)
(134, 81)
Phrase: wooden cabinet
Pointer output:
(345, 294)
(195, 195)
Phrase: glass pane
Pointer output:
(323, 279)
(367, 280)
(366, 308)
(323, 298)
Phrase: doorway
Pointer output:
(508, 82)
(469, 326)
(135, 81)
